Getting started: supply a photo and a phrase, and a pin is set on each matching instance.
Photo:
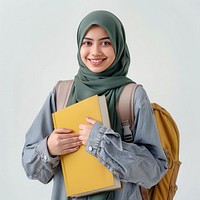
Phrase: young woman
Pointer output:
(104, 60)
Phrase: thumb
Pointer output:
(90, 120)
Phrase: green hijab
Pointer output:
(111, 81)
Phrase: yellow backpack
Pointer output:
(168, 132)
(169, 137)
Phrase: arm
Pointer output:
(44, 145)
(142, 162)
(36, 160)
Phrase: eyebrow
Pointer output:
(104, 38)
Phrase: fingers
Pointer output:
(85, 130)
(67, 136)
(72, 147)
(62, 130)
(66, 140)
(84, 140)
(90, 120)
(71, 150)
(63, 141)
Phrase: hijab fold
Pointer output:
(111, 81)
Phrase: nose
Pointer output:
(96, 50)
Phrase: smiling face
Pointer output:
(96, 51)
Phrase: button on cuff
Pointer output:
(90, 148)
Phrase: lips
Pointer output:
(96, 62)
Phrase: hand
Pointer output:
(63, 141)
(85, 130)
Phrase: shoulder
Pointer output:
(140, 95)
(140, 98)
(50, 102)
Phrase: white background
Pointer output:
(38, 47)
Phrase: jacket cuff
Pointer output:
(42, 150)
(95, 138)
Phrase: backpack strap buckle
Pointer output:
(128, 135)
(125, 110)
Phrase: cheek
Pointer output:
(82, 53)
(112, 55)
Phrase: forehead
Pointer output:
(96, 32)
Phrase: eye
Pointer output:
(87, 43)
(106, 43)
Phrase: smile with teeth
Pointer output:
(96, 61)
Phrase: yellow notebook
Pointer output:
(83, 173)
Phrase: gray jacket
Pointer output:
(141, 163)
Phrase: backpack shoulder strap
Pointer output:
(125, 110)
(63, 89)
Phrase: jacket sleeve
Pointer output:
(37, 162)
(143, 161)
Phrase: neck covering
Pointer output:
(111, 81)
